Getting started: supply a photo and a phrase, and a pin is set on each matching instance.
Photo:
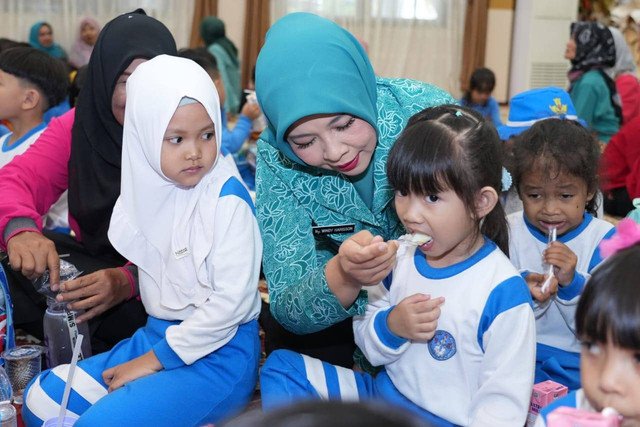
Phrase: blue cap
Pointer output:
(529, 107)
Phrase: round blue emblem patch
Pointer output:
(442, 346)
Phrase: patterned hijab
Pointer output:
(595, 48)
(310, 65)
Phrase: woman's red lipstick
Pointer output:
(349, 166)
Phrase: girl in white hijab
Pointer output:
(187, 222)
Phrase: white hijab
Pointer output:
(624, 58)
(163, 228)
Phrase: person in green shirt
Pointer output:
(591, 50)
(323, 202)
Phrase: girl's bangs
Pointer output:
(423, 168)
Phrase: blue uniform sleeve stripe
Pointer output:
(233, 187)
(387, 337)
(524, 273)
(507, 295)
(573, 289)
(331, 377)
(596, 258)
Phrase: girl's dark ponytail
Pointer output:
(495, 227)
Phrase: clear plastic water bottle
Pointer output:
(6, 391)
(60, 333)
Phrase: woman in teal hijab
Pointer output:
(323, 200)
(213, 33)
(41, 37)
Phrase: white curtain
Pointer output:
(17, 16)
(418, 39)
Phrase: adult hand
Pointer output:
(535, 281)
(251, 110)
(415, 317)
(564, 261)
(96, 292)
(116, 377)
(31, 253)
(365, 260)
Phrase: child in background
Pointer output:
(453, 325)
(555, 172)
(30, 82)
(478, 97)
(232, 140)
(607, 323)
(188, 224)
(525, 109)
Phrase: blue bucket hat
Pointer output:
(529, 107)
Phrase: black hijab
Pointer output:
(96, 145)
(595, 47)
(595, 50)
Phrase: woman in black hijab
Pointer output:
(107, 290)
(591, 51)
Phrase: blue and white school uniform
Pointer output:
(198, 253)
(558, 347)
(478, 368)
(8, 152)
(576, 400)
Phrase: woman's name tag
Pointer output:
(333, 229)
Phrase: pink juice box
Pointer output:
(569, 417)
(543, 394)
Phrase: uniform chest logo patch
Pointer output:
(442, 346)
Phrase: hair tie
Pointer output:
(506, 180)
(627, 234)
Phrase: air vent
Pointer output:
(548, 74)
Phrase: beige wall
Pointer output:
(498, 46)
(232, 13)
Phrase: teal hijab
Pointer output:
(54, 50)
(310, 65)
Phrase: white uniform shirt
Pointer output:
(478, 369)
(555, 318)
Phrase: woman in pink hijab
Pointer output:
(87, 36)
